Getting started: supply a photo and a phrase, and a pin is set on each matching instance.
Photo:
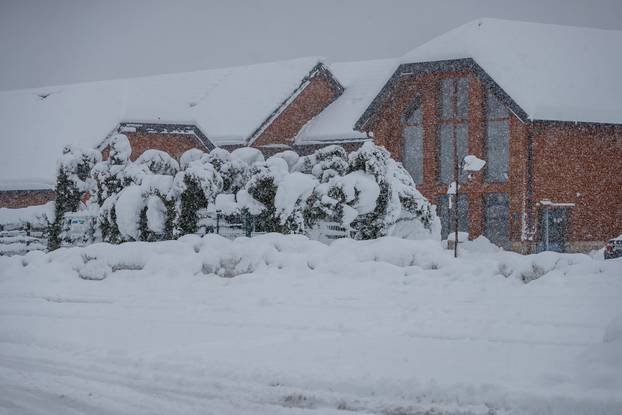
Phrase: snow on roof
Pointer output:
(552, 72)
(361, 81)
(226, 104)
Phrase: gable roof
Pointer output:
(227, 105)
(319, 70)
(361, 81)
(551, 72)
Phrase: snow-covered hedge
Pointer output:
(157, 198)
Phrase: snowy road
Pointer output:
(377, 339)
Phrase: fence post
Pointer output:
(247, 224)
(217, 223)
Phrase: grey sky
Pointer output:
(45, 42)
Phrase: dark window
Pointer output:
(462, 100)
(413, 152)
(454, 100)
(497, 217)
(414, 113)
(454, 110)
(494, 108)
(497, 140)
(449, 133)
(412, 140)
(447, 215)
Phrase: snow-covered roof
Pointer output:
(361, 81)
(226, 104)
(552, 72)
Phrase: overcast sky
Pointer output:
(46, 42)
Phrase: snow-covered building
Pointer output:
(542, 104)
(265, 106)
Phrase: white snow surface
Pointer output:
(376, 327)
(226, 104)
(553, 72)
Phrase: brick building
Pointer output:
(547, 119)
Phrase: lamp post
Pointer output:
(469, 164)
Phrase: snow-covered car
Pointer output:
(613, 249)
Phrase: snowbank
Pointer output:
(382, 326)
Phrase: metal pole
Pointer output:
(248, 224)
(546, 229)
(456, 180)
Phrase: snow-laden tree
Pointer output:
(291, 201)
(72, 182)
(260, 192)
(398, 198)
(194, 188)
(111, 177)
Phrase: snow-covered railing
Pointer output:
(17, 239)
(326, 232)
(216, 222)
(24, 229)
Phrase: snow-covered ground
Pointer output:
(382, 327)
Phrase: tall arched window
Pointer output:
(453, 128)
(412, 140)
(497, 140)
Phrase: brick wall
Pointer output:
(581, 164)
(23, 198)
(316, 96)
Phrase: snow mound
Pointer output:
(613, 332)
(36, 215)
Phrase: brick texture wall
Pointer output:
(22, 198)
(581, 164)
(316, 96)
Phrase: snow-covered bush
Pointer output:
(156, 198)
(233, 171)
(158, 162)
(325, 163)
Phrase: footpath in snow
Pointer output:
(281, 324)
